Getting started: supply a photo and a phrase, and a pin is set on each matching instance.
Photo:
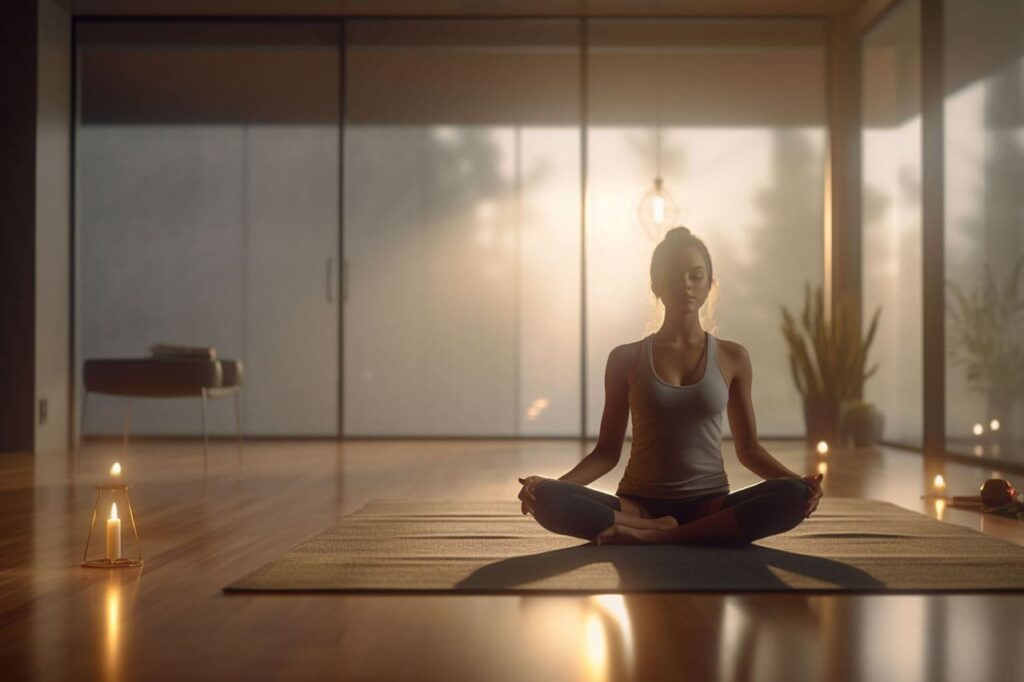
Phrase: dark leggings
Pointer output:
(766, 508)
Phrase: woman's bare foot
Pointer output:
(625, 535)
(643, 523)
(666, 522)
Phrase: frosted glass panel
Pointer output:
(207, 214)
(461, 235)
(984, 167)
(159, 212)
(748, 180)
(891, 217)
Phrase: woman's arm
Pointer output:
(749, 450)
(608, 450)
(744, 429)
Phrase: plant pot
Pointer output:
(822, 419)
(863, 424)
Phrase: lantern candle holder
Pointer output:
(114, 556)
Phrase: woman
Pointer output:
(676, 383)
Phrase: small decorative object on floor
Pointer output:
(997, 496)
(116, 491)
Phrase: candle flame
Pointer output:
(822, 447)
(113, 511)
(116, 469)
(939, 481)
(994, 425)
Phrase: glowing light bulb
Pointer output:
(939, 482)
(978, 429)
(659, 209)
(994, 425)
(656, 210)
(822, 447)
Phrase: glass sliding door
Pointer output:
(891, 216)
(461, 228)
(984, 231)
(207, 212)
(731, 115)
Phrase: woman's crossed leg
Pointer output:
(572, 509)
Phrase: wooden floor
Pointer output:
(201, 529)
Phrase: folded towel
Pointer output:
(169, 350)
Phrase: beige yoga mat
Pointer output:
(490, 547)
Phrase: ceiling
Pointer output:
(448, 8)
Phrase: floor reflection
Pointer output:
(114, 597)
(610, 650)
(112, 643)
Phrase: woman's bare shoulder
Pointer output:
(734, 353)
(625, 357)
(627, 351)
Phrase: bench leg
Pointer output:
(205, 437)
(80, 434)
(238, 425)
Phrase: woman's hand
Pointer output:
(526, 494)
(624, 535)
(815, 484)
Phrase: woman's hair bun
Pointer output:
(678, 232)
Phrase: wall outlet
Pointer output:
(42, 411)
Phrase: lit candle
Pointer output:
(113, 535)
(115, 471)
(994, 425)
(939, 482)
(822, 447)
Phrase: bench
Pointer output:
(163, 378)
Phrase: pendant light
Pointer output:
(657, 210)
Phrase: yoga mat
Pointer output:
(490, 547)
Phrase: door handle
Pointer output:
(330, 279)
(344, 280)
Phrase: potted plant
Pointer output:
(861, 423)
(827, 359)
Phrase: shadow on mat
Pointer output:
(673, 567)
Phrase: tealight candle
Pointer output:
(113, 535)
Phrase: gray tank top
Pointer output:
(677, 432)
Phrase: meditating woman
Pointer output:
(676, 383)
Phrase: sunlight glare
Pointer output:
(595, 648)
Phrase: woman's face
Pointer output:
(682, 281)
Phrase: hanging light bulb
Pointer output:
(656, 211)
